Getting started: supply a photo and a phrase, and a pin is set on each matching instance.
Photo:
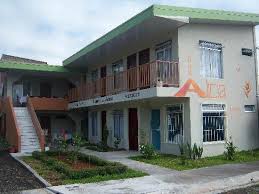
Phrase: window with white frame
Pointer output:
(94, 123)
(118, 123)
(211, 60)
(213, 122)
(175, 124)
(249, 108)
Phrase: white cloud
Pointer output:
(53, 30)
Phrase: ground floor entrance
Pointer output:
(133, 128)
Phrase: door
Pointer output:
(144, 69)
(45, 90)
(84, 128)
(103, 81)
(133, 129)
(164, 57)
(155, 128)
(103, 118)
(45, 124)
(132, 71)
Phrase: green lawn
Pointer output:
(174, 162)
(56, 178)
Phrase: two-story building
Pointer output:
(167, 76)
(171, 75)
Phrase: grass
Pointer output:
(174, 162)
(56, 178)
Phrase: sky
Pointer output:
(53, 30)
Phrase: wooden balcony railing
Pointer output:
(157, 73)
(36, 124)
(12, 131)
(49, 104)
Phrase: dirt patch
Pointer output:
(14, 176)
(79, 165)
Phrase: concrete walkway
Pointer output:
(122, 157)
(161, 180)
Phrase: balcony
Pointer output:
(154, 74)
(49, 104)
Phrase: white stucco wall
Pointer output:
(238, 69)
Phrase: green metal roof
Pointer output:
(193, 14)
(7, 65)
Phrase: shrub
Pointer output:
(189, 152)
(4, 145)
(197, 151)
(76, 145)
(105, 136)
(117, 142)
(147, 150)
(183, 158)
(230, 150)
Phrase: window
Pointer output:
(118, 124)
(117, 68)
(249, 108)
(164, 58)
(214, 122)
(211, 60)
(164, 51)
(94, 123)
(175, 124)
(94, 75)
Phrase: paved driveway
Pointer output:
(161, 180)
(14, 176)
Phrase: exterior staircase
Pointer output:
(29, 138)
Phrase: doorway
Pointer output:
(133, 129)
(155, 128)
(103, 118)
(132, 72)
(103, 81)
(45, 123)
(45, 90)
(144, 68)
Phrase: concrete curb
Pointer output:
(47, 184)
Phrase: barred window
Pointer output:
(175, 124)
(214, 122)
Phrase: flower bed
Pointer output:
(59, 168)
(100, 167)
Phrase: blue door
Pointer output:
(155, 128)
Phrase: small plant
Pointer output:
(76, 145)
(230, 150)
(183, 158)
(117, 141)
(4, 145)
(197, 151)
(61, 144)
(105, 136)
(147, 150)
(188, 151)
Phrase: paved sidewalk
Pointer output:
(122, 157)
(161, 180)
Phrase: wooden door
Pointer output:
(133, 129)
(144, 69)
(45, 90)
(103, 118)
(132, 72)
(103, 81)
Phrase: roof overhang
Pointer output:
(174, 16)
